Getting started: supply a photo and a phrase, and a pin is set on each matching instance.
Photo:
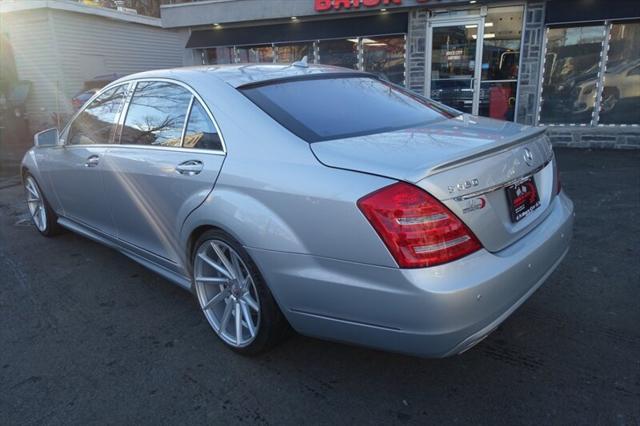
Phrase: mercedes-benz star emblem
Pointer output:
(528, 156)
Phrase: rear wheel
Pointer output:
(42, 215)
(233, 296)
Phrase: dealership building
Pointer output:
(571, 65)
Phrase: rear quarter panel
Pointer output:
(273, 194)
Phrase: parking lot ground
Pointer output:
(88, 336)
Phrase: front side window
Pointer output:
(331, 107)
(97, 122)
(156, 114)
(201, 133)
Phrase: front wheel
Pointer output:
(233, 296)
(42, 215)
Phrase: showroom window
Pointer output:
(255, 54)
(291, 52)
(220, 55)
(381, 55)
(591, 75)
(384, 56)
(341, 52)
(620, 95)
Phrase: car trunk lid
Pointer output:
(465, 162)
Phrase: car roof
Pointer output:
(238, 75)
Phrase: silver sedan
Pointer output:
(310, 197)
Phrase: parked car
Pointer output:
(91, 87)
(311, 196)
(80, 98)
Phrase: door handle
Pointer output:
(92, 161)
(190, 168)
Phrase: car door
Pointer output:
(168, 159)
(76, 168)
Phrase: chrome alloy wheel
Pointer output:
(227, 293)
(35, 202)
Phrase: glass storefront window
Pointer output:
(384, 56)
(500, 60)
(220, 55)
(254, 54)
(571, 68)
(291, 52)
(342, 53)
(620, 101)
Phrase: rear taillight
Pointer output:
(418, 230)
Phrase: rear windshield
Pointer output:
(324, 108)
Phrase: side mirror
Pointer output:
(47, 137)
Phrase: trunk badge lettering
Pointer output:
(464, 185)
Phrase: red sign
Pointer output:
(324, 5)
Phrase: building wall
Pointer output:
(58, 50)
(530, 63)
(34, 51)
(88, 46)
(416, 49)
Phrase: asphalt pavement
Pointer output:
(87, 336)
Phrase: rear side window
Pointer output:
(201, 133)
(156, 114)
(325, 108)
(97, 122)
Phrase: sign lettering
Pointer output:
(325, 5)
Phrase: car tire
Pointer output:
(42, 215)
(228, 286)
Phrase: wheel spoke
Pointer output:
(252, 303)
(223, 259)
(236, 266)
(247, 318)
(214, 265)
(212, 280)
(32, 190)
(225, 317)
(35, 211)
(215, 300)
(245, 281)
(43, 218)
(238, 316)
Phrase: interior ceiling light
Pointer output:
(487, 35)
(487, 24)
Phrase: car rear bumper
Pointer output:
(431, 312)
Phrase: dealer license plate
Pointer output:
(523, 199)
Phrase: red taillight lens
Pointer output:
(418, 230)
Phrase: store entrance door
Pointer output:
(453, 72)
(472, 61)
